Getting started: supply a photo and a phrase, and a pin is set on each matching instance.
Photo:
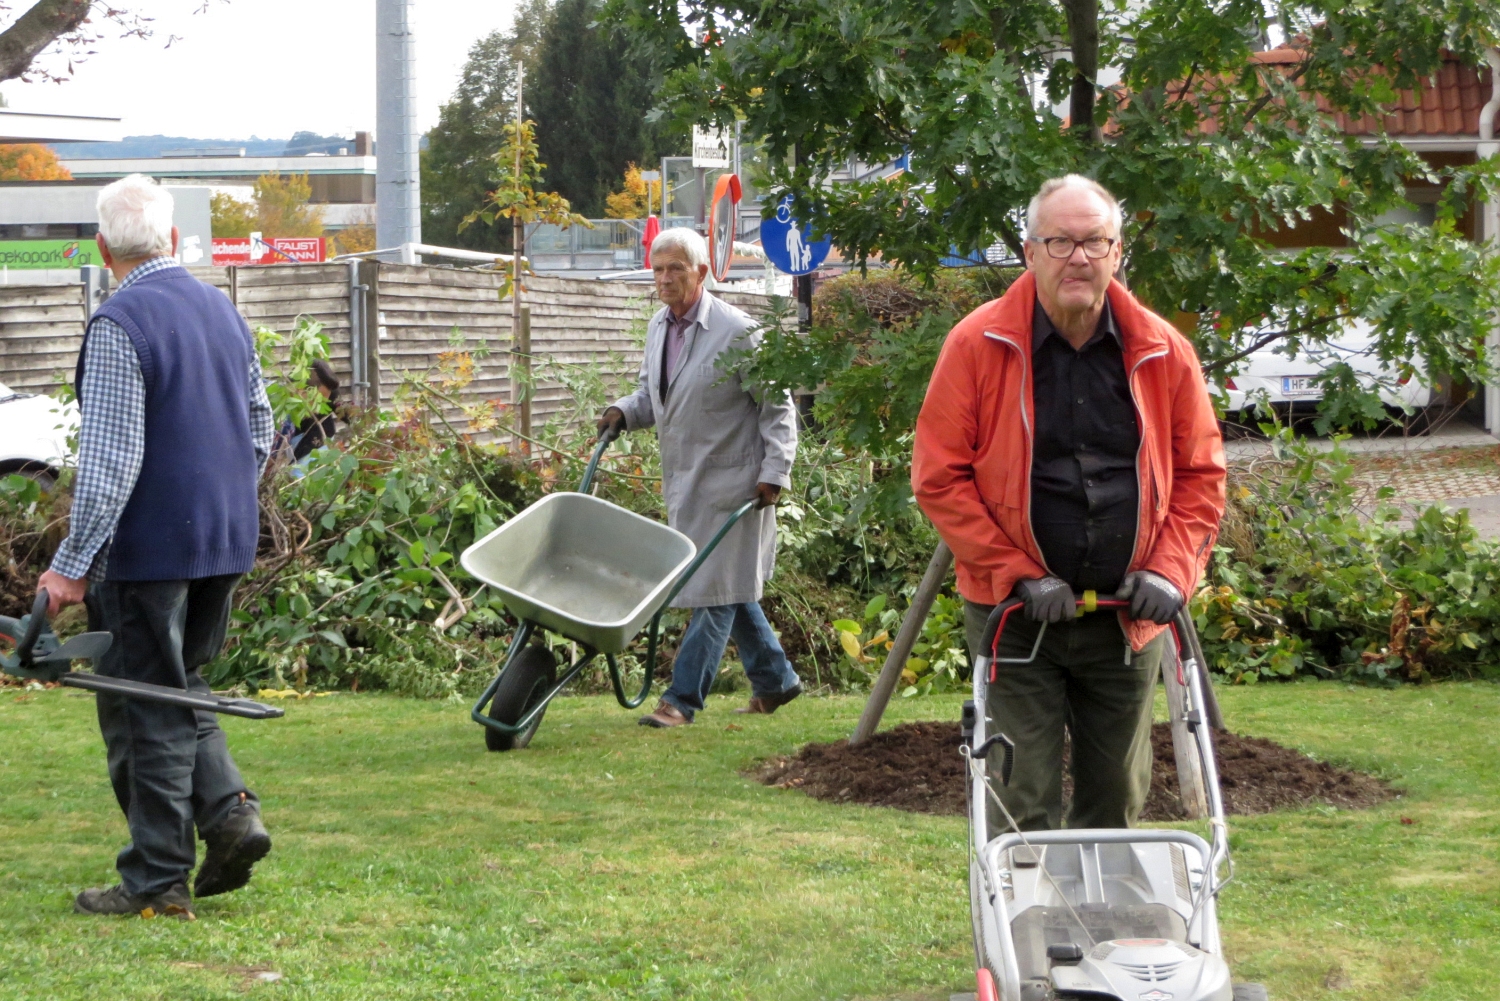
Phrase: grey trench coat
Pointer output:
(718, 440)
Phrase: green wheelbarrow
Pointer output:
(587, 570)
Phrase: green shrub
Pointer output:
(1302, 582)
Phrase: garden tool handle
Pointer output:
(34, 626)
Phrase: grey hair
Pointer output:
(686, 240)
(1053, 185)
(135, 218)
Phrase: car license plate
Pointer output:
(1300, 385)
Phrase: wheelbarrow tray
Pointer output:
(582, 567)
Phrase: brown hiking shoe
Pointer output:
(173, 902)
(233, 849)
(768, 704)
(665, 716)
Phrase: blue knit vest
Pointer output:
(193, 512)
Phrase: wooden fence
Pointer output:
(382, 320)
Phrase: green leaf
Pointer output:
(874, 606)
(417, 551)
(847, 626)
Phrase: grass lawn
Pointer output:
(609, 861)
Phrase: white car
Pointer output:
(1278, 379)
(34, 433)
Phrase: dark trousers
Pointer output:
(169, 765)
(1081, 680)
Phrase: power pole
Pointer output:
(398, 197)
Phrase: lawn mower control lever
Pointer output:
(1007, 762)
(40, 656)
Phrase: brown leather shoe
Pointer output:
(768, 704)
(665, 716)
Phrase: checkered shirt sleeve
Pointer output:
(111, 445)
(262, 423)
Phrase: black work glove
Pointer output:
(1047, 599)
(611, 423)
(1152, 596)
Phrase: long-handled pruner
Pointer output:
(40, 656)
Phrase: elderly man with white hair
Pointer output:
(723, 441)
(1067, 445)
(175, 432)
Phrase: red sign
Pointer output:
(276, 250)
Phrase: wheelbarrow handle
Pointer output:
(609, 434)
(655, 629)
(706, 551)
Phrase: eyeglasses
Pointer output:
(1061, 247)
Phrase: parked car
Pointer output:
(34, 432)
(1288, 382)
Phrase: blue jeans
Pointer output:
(697, 662)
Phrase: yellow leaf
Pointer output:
(850, 644)
(880, 637)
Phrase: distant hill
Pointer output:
(299, 144)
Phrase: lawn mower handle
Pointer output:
(1189, 648)
(1001, 613)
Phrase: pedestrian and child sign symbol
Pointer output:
(788, 244)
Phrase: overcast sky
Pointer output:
(266, 68)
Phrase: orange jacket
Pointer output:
(971, 463)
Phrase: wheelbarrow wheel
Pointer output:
(533, 672)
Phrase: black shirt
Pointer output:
(1085, 498)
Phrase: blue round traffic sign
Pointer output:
(788, 244)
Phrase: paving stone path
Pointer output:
(1458, 470)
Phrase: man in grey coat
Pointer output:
(722, 443)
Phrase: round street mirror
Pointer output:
(721, 224)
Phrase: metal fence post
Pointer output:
(367, 288)
(358, 331)
(95, 288)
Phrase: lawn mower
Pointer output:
(1128, 915)
(39, 656)
(590, 571)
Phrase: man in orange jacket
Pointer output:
(1068, 443)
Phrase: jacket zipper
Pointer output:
(1141, 417)
(1026, 426)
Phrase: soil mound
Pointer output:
(916, 766)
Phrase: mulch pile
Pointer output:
(916, 766)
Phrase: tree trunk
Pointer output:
(1083, 35)
(36, 29)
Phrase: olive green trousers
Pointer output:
(1086, 681)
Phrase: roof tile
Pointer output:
(1447, 103)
